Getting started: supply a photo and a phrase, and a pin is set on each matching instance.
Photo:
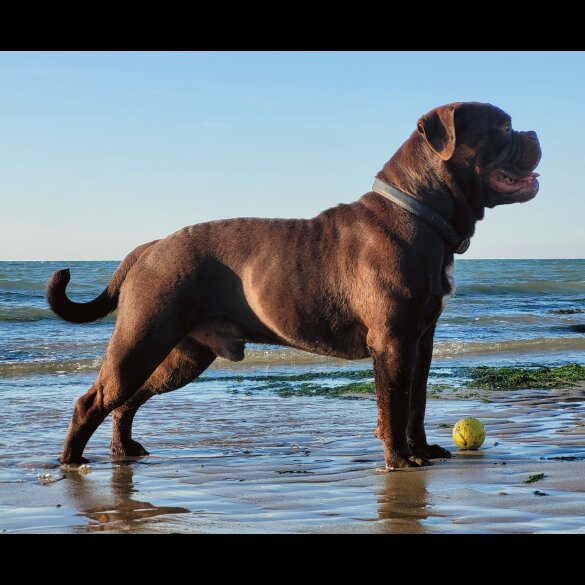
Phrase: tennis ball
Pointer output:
(468, 434)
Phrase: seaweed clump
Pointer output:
(511, 378)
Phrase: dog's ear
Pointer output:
(438, 129)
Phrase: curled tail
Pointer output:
(102, 305)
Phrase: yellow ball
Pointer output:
(468, 434)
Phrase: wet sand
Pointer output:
(263, 463)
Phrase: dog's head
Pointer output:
(477, 144)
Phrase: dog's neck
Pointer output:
(457, 199)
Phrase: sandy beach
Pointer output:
(263, 463)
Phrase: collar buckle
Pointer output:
(463, 246)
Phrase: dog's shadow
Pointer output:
(114, 508)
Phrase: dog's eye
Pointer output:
(508, 127)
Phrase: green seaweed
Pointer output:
(316, 389)
(511, 378)
(353, 384)
(437, 388)
(300, 377)
(467, 395)
(355, 388)
(533, 478)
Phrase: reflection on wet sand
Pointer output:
(112, 509)
(404, 502)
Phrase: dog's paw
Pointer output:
(429, 451)
(73, 461)
(437, 452)
(129, 449)
(420, 461)
(397, 461)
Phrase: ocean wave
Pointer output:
(25, 368)
(535, 319)
(257, 358)
(527, 287)
(254, 358)
(457, 348)
(28, 314)
(25, 314)
(288, 356)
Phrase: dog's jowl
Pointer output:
(363, 279)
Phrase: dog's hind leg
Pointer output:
(140, 342)
(185, 362)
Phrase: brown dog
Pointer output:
(358, 280)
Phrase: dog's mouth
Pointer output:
(505, 182)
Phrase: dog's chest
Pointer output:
(448, 282)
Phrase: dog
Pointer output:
(369, 278)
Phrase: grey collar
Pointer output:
(424, 212)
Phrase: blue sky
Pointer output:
(103, 151)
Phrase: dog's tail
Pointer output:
(102, 305)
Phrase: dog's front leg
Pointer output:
(417, 438)
(394, 363)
